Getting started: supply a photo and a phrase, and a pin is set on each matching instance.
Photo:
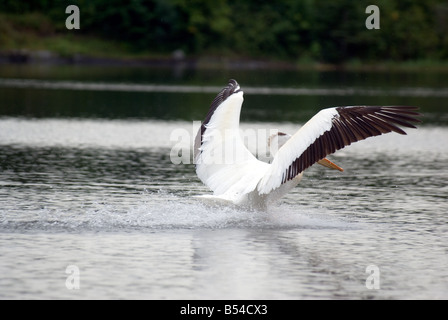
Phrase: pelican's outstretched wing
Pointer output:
(223, 162)
(330, 130)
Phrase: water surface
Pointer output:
(86, 180)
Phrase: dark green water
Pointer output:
(314, 91)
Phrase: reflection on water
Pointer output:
(86, 180)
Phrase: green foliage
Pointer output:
(328, 31)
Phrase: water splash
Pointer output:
(167, 212)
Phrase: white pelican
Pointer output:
(242, 179)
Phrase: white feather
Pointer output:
(294, 147)
(225, 165)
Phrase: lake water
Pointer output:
(91, 206)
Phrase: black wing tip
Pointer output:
(231, 88)
(390, 117)
(227, 91)
(411, 109)
(409, 113)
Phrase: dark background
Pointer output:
(284, 30)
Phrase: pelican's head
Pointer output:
(276, 141)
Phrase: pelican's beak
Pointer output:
(327, 163)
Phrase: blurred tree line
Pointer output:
(329, 31)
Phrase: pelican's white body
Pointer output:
(234, 174)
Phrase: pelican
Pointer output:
(243, 180)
